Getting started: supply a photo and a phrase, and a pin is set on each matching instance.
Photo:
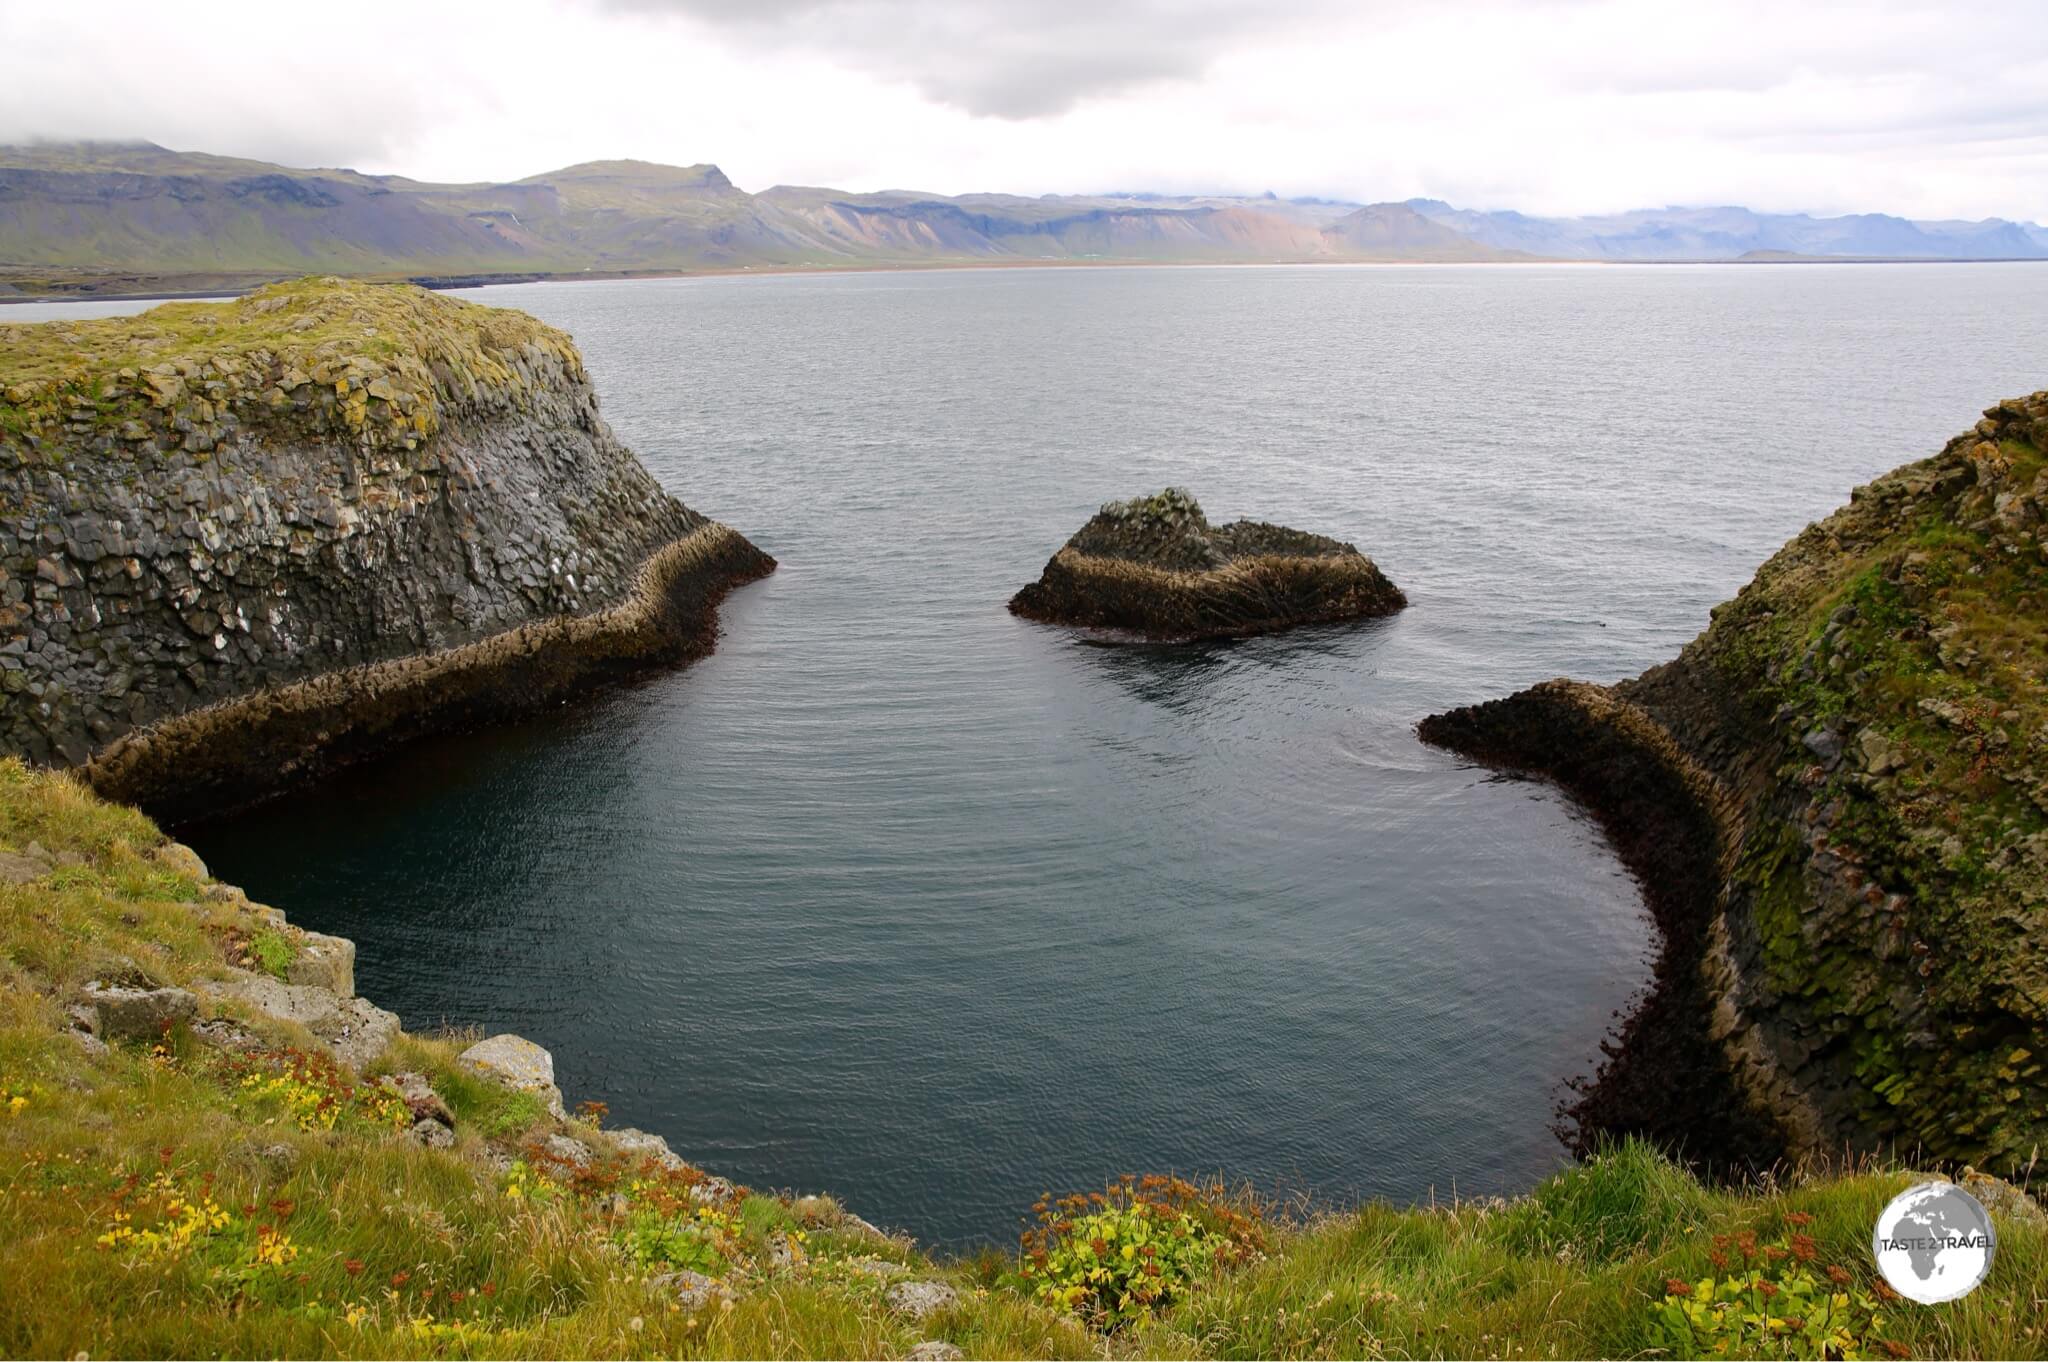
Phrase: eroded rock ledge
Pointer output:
(1155, 566)
(1836, 799)
(318, 519)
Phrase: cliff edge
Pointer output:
(1837, 800)
(318, 519)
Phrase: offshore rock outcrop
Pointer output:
(1836, 799)
(1155, 566)
(244, 540)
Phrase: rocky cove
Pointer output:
(253, 540)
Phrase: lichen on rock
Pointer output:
(1865, 819)
(1155, 566)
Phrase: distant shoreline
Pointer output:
(186, 287)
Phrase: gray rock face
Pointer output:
(357, 1031)
(16, 868)
(322, 961)
(258, 525)
(518, 1064)
(125, 1013)
(935, 1350)
(692, 1290)
(568, 1149)
(920, 1299)
(645, 1144)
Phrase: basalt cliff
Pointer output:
(1837, 801)
(244, 540)
(1156, 567)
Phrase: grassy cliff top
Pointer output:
(168, 1198)
(1902, 644)
(409, 351)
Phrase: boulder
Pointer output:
(2002, 1198)
(919, 1299)
(128, 1013)
(692, 1290)
(181, 858)
(358, 1032)
(327, 962)
(223, 1034)
(519, 1064)
(935, 1350)
(567, 1149)
(18, 868)
(646, 1145)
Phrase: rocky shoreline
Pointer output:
(1835, 802)
(210, 759)
(1156, 568)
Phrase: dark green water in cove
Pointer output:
(904, 899)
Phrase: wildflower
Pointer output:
(353, 1267)
(16, 1105)
(1798, 1218)
(1839, 1275)
(274, 1248)
(1767, 1289)
(1675, 1287)
(400, 1277)
(283, 1206)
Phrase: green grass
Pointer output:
(391, 1249)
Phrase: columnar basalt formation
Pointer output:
(1155, 566)
(1837, 801)
(243, 539)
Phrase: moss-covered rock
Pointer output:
(1863, 735)
(1155, 566)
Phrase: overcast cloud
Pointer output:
(1556, 106)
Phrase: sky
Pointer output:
(1930, 110)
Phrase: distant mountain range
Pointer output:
(97, 217)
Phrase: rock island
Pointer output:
(1155, 566)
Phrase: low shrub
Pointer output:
(1114, 1256)
(1767, 1301)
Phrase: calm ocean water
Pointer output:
(901, 898)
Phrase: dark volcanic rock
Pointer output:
(1156, 566)
(242, 540)
(1836, 799)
